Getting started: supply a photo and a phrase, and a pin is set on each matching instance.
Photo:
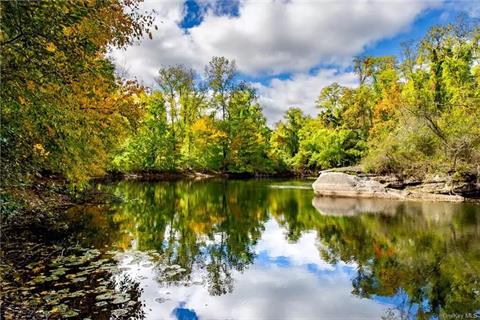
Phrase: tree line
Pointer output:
(64, 110)
(208, 123)
(413, 117)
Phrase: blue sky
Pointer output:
(288, 49)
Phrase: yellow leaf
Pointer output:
(67, 31)
(22, 100)
(30, 85)
(51, 47)
(40, 150)
(55, 310)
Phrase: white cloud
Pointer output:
(272, 37)
(269, 37)
(300, 91)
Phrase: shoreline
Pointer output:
(189, 175)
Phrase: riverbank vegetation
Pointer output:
(65, 111)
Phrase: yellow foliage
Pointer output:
(51, 47)
(68, 31)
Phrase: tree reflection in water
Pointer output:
(423, 257)
(206, 226)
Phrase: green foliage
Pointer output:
(9, 206)
(322, 148)
(62, 109)
(415, 117)
(181, 129)
(411, 118)
(437, 128)
(152, 147)
(207, 148)
(248, 135)
(285, 139)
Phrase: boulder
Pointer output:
(345, 185)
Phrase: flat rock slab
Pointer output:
(345, 185)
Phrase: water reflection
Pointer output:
(264, 249)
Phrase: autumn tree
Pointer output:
(62, 108)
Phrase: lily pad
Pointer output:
(76, 294)
(119, 312)
(59, 272)
(119, 299)
(105, 296)
(81, 279)
(39, 279)
(70, 314)
(101, 303)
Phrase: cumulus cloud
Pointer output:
(268, 37)
(301, 91)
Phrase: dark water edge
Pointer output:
(233, 249)
(159, 176)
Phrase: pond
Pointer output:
(256, 249)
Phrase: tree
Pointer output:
(220, 74)
(221, 77)
(285, 139)
(248, 134)
(330, 104)
(150, 148)
(428, 122)
(62, 108)
(323, 148)
(207, 141)
(185, 101)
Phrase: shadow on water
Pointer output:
(234, 249)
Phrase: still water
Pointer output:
(268, 249)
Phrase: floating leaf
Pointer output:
(105, 296)
(76, 294)
(121, 299)
(70, 314)
(119, 312)
(39, 279)
(81, 279)
(101, 303)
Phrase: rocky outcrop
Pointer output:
(341, 184)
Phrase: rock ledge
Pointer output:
(341, 184)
